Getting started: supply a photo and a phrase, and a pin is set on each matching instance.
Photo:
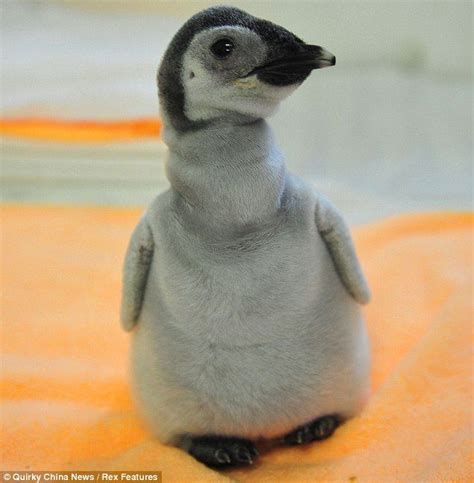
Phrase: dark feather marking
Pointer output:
(170, 87)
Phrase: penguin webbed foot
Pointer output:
(219, 451)
(316, 430)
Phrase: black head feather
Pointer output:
(169, 75)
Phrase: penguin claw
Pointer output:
(324, 427)
(242, 455)
(222, 456)
(219, 451)
(317, 430)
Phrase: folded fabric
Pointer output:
(65, 394)
(55, 130)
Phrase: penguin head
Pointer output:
(225, 64)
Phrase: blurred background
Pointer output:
(388, 130)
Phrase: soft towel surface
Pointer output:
(66, 401)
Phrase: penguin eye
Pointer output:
(222, 48)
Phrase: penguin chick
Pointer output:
(241, 283)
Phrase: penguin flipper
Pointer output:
(135, 273)
(337, 237)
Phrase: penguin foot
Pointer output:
(317, 430)
(219, 451)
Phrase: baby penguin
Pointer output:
(241, 283)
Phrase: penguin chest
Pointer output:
(235, 294)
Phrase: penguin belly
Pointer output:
(251, 347)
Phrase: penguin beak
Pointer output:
(295, 67)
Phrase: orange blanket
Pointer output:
(65, 394)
